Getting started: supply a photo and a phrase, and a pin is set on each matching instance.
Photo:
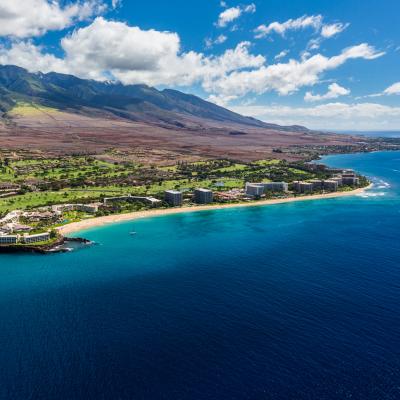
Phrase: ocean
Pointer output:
(291, 301)
(373, 134)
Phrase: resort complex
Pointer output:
(183, 185)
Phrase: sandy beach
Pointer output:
(111, 219)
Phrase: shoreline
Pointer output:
(117, 218)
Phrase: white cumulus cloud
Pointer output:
(281, 55)
(330, 30)
(286, 78)
(107, 50)
(356, 116)
(393, 89)
(31, 57)
(219, 40)
(334, 91)
(229, 15)
(116, 3)
(233, 13)
(251, 8)
(115, 46)
(30, 18)
(130, 55)
(315, 22)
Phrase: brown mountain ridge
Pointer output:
(65, 114)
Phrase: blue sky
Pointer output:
(323, 64)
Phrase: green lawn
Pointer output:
(31, 109)
(232, 168)
(72, 170)
(267, 163)
(298, 171)
(38, 199)
(64, 168)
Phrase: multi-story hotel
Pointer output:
(350, 180)
(203, 196)
(8, 239)
(152, 201)
(276, 186)
(338, 179)
(303, 187)
(173, 197)
(254, 189)
(318, 184)
(331, 185)
(40, 237)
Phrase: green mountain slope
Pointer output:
(133, 102)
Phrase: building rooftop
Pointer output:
(203, 190)
(172, 191)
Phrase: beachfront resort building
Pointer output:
(16, 227)
(151, 201)
(8, 239)
(350, 178)
(317, 184)
(337, 179)
(258, 189)
(173, 197)
(203, 196)
(254, 189)
(331, 185)
(108, 200)
(87, 208)
(40, 237)
(303, 187)
(38, 216)
(345, 177)
(276, 187)
(26, 239)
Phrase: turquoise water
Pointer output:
(292, 301)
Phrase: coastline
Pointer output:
(112, 219)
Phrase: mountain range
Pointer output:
(62, 112)
(133, 102)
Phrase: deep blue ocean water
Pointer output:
(384, 134)
(292, 301)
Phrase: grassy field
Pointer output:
(64, 168)
(37, 199)
(87, 178)
(31, 109)
(232, 168)
(268, 163)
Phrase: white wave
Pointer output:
(382, 185)
(371, 194)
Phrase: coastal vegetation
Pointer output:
(40, 181)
